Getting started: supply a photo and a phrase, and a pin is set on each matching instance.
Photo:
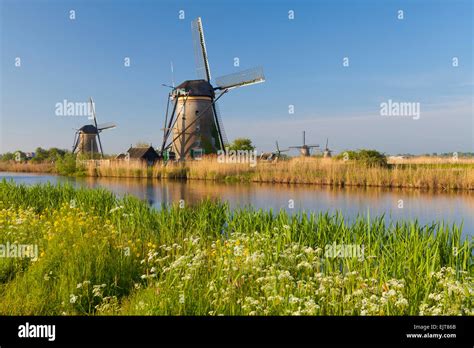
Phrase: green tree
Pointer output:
(40, 155)
(242, 144)
(8, 156)
(54, 154)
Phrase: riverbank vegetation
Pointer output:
(100, 255)
(313, 170)
(363, 168)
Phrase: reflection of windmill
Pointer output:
(327, 152)
(194, 126)
(85, 137)
(304, 149)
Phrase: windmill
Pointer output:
(327, 152)
(85, 138)
(273, 156)
(304, 149)
(194, 125)
(278, 152)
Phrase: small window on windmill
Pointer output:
(197, 153)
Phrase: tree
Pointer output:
(8, 156)
(54, 154)
(40, 155)
(242, 144)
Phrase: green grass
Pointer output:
(100, 255)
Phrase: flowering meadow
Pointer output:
(102, 255)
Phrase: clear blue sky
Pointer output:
(406, 60)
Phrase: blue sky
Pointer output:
(407, 60)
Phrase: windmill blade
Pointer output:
(93, 111)
(200, 52)
(75, 144)
(100, 145)
(219, 125)
(316, 145)
(107, 125)
(242, 78)
(172, 74)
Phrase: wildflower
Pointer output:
(402, 302)
(113, 210)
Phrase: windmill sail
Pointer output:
(107, 125)
(200, 52)
(76, 142)
(242, 78)
(220, 126)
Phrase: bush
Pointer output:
(370, 158)
(242, 144)
(66, 165)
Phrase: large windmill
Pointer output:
(305, 150)
(194, 126)
(85, 138)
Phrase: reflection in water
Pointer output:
(453, 207)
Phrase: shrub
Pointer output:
(370, 158)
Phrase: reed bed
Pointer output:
(326, 171)
(319, 171)
(28, 167)
(422, 173)
(431, 160)
(101, 255)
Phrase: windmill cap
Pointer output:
(197, 88)
(88, 129)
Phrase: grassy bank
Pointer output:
(319, 171)
(103, 255)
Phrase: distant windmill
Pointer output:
(304, 149)
(278, 151)
(327, 152)
(271, 156)
(85, 138)
(195, 126)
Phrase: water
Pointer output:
(427, 207)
